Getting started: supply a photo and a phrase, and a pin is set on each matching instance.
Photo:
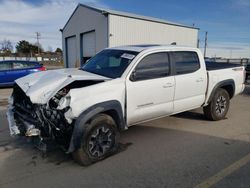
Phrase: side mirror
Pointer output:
(133, 76)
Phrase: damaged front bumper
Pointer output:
(35, 120)
(14, 130)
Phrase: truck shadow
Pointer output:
(246, 92)
(6, 87)
(192, 115)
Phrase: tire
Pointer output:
(218, 106)
(99, 141)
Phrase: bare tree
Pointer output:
(6, 46)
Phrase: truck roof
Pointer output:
(141, 47)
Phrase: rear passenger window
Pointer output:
(153, 66)
(186, 62)
(22, 65)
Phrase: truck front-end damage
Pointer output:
(51, 120)
(39, 120)
(40, 108)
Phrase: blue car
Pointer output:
(13, 69)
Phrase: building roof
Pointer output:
(129, 15)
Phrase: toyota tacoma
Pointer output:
(85, 109)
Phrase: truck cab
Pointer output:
(165, 82)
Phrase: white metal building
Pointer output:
(90, 29)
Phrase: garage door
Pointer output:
(88, 44)
(71, 51)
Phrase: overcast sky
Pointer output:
(227, 21)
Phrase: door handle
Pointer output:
(168, 85)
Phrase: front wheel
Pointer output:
(218, 106)
(99, 140)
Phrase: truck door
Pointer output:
(150, 88)
(190, 80)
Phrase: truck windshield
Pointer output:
(110, 63)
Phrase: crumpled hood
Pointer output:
(41, 86)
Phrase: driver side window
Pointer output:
(152, 66)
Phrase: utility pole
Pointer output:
(38, 35)
(205, 48)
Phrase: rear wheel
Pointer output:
(99, 140)
(218, 106)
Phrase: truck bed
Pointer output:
(221, 72)
(210, 65)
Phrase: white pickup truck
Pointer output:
(85, 109)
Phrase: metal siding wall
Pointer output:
(85, 20)
(127, 31)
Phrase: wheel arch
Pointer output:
(228, 85)
(112, 108)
